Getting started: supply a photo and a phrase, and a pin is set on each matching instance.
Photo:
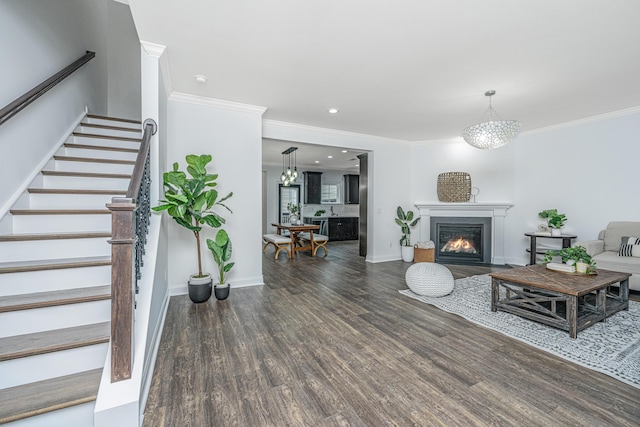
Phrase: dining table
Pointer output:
(294, 230)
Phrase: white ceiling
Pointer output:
(413, 70)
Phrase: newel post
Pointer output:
(122, 286)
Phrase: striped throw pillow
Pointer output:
(630, 246)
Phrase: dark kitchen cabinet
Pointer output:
(351, 189)
(312, 187)
(343, 228)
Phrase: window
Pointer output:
(330, 193)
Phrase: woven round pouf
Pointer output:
(429, 279)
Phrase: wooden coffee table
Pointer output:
(567, 301)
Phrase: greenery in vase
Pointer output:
(575, 254)
(189, 199)
(554, 219)
(404, 221)
(221, 250)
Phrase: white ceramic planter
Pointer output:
(407, 253)
(556, 232)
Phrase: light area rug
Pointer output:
(611, 347)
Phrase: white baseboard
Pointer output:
(182, 289)
(150, 363)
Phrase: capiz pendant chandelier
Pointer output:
(492, 133)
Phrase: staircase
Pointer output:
(55, 275)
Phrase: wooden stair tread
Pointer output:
(107, 127)
(98, 136)
(60, 211)
(100, 147)
(74, 191)
(53, 236)
(86, 174)
(53, 264)
(93, 160)
(115, 119)
(54, 298)
(25, 401)
(56, 340)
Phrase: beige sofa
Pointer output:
(604, 251)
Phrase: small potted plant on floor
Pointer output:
(555, 220)
(221, 250)
(404, 221)
(190, 200)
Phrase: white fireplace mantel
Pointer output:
(495, 210)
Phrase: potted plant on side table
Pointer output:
(555, 220)
(404, 221)
(189, 201)
(221, 250)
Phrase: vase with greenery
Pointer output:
(404, 220)
(295, 210)
(555, 220)
(221, 249)
(575, 255)
(189, 198)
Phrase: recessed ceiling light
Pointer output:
(317, 161)
(357, 166)
(329, 157)
(200, 78)
(344, 151)
(333, 111)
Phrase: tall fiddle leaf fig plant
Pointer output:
(190, 199)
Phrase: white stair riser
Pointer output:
(53, 280)
(77, 416)
(49, 318)
(110, 142)
(41, 367)
(110, 132)
(108, 122)
(70, 201)
(74, 182)
(56, 223)
(67, 166)
(72, 151)
(53, 249)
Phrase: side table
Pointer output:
(533, 248)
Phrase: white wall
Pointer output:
(584, 169)
(39, 39)
(233, 137)
(388, 178)
(124, 63)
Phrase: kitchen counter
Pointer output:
(340, 227)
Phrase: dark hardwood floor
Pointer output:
(329, 341)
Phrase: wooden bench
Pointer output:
(319, 241)
(279, 243)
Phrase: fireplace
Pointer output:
(462, 240)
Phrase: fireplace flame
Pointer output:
(459, 245)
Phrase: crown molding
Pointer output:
(153, 49)
(287, 125)
(218, 103)
(586, 120)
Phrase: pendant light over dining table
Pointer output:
(289, 175)
(492, 133)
